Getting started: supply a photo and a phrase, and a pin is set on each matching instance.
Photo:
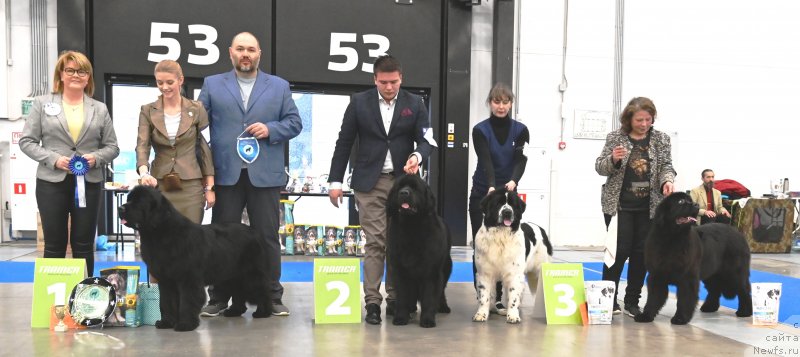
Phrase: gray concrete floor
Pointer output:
(716, 334)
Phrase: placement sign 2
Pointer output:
(337, 293)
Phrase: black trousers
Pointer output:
(57, 204)
(632, 229)
(262, 205)
(476, 220)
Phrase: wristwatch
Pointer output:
(208, 188)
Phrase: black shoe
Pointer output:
(632, 310)
(390, 308)
(373, 314)
(617, 309)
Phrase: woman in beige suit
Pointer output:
(182, 168)
(61, 126)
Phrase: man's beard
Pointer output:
(247, 68)
(709, 185)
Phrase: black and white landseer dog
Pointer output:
(507, 250)
(680, 253)
(418, 251)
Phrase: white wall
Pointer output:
(16, 83)
(722, 75)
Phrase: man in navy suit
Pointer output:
(244, 103)
(387, 122)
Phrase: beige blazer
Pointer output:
(181, 156)
(46, 137)
(699, 196)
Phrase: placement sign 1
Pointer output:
(53, 280)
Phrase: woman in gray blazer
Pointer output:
(65, 124)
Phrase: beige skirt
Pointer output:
(190, 200)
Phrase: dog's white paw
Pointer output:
(513, 317)
(480, 316)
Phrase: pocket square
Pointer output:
(406, 112)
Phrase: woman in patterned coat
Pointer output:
(637, 161)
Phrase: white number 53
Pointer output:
(338, 39)
(158, 31)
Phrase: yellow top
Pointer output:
(74, 115)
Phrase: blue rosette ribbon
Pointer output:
(79, 166)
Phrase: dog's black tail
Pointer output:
(546, 241)
(528, 230)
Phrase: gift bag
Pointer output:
(148, 310)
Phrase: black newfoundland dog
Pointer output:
(185, 257)
(681, 253)
(418, 250)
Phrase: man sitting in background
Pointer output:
(710, 201)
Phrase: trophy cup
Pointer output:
(61, 312)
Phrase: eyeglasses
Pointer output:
(73, 71)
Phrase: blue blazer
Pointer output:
(270, 103)
(362, 121)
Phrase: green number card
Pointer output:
(337, 292)
(560, 293)
(53, 281)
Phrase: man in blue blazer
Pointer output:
(387, 122)
(245, 103)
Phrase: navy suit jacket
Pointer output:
(362, 121)
(270, 103)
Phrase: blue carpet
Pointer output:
(22, 272)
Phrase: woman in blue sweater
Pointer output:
(499, 142)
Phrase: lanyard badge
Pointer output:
(247, 148)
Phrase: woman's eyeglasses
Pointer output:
(73, 71)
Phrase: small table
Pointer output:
(118, 194)
(353, 212)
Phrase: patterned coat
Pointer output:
(661, 170)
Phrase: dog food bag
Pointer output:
(340, 241)
(286, 225)
(361, 241)
(298, 240)
(766, 303)
(332, 235)
(311, 240)
(599, 301)
(321, 241)
(350, 238)
(125, 280)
